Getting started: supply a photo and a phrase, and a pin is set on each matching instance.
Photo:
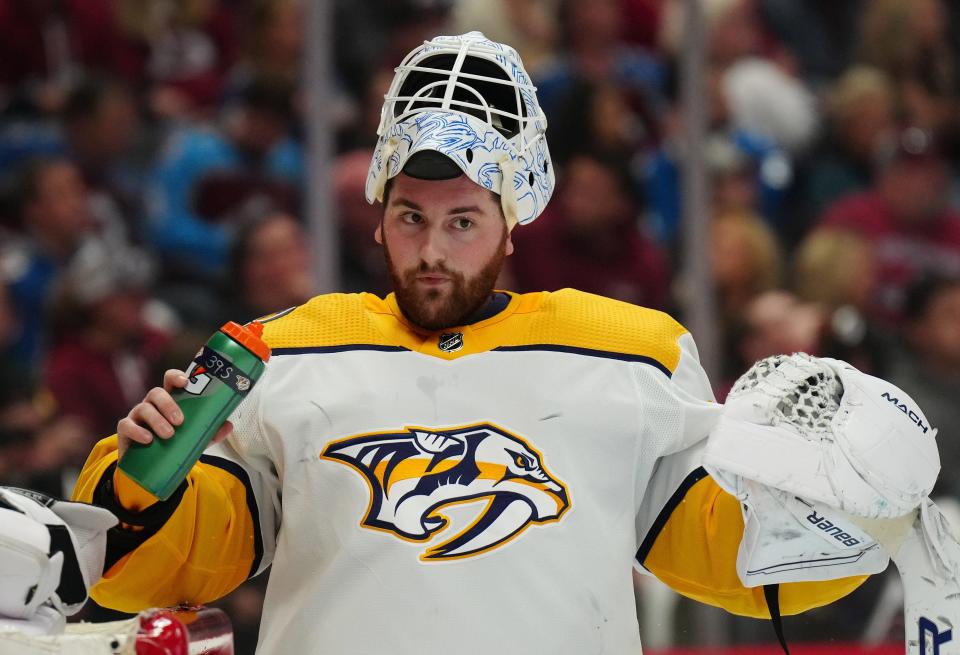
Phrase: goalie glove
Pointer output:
(822, 430)
(857, 449)
(51, 553)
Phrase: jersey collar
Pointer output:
(499, 306)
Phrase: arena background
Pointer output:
(781, 175)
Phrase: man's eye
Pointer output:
(462, 223)
(411, 217)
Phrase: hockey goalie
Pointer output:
(458, 467)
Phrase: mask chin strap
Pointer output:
(508, 197)
(389, 148)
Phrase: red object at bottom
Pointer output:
(185, 631)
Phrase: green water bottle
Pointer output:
(218, 379)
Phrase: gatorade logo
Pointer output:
(197, 379)
(929, 629)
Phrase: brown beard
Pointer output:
(465, 296)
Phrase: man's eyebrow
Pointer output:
(407, 203)
(465, 210)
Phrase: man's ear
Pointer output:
(378, 233)
(509, 245)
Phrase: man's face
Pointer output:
(444, 241)
(915, 189)
(60, 209)
(937, 333)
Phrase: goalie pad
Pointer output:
(926, 550)
(822, 430)
(50, 551)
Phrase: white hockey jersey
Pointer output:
(485, 489)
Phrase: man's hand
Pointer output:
(158, 415)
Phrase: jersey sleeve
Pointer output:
(213, 533)
(689, 529)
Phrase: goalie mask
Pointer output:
(469, 100)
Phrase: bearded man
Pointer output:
(456, 467)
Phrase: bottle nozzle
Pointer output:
(249, 337)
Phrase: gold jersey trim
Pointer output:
(562, 321)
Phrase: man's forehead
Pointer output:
(442, 194)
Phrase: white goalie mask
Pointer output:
(469, 99)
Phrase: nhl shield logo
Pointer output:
(450, 342)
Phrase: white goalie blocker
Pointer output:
(51, 553)
(833, 468)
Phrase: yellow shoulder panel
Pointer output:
(563, 320)
(578, 320)
(335, 319)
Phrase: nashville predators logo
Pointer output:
(416, 473)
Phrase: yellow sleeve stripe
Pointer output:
(694, 551)
(238, 472)
(658, 525)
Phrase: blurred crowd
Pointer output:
(152, 173)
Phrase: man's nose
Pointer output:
(432, 250)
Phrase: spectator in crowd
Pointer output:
(816, 33)
(102, 347)
(206, 178)
(861, 122)
(907, 219)
(54, 219)
(600, 115)
(928, 367)
(529, 24)
(178, 53)
(592, 242)
(745, 262)
(733, 28)
(836, 269)
(767, 102)
(909, 41)
(273, 43)
(269, 268)
(361, 130)
(43, 47)
(593, 49)
(36, 443)
(362, 264)
(733, 178)
(101, 124)
(641, 22)
(773, 323)
(762, 113)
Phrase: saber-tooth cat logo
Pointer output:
(414, 473)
